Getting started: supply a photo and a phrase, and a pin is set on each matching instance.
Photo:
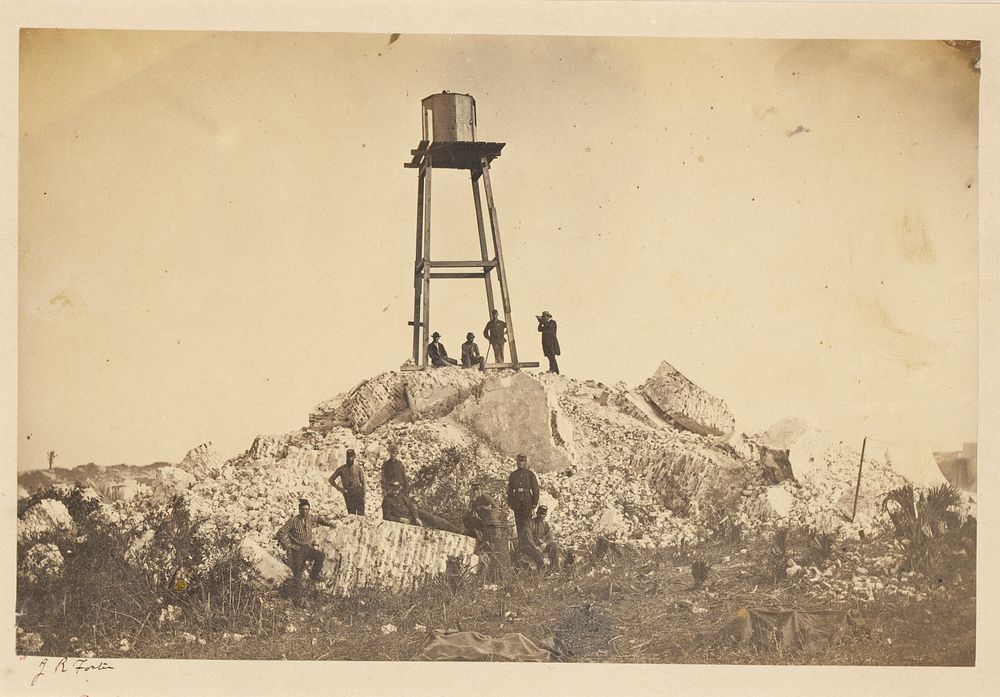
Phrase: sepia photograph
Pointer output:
(358, 346)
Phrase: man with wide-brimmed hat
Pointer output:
(550, 343)
(437, 354)
(522, 494)
(538, 544)
(296, 538)
(470, 353)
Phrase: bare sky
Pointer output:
(216, 231)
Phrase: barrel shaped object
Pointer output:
(449, 117)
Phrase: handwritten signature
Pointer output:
(74, 666)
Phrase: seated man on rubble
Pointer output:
(436, 353)
(296, 537)
(397, 507)
(538, 545)
(470, 353)
(474, 519)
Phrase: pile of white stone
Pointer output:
(612, 503)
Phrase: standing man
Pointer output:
(522, 495)
(436, 353)
(496, 333)
(550, 344)
(538, 544)
(296, 537)
(352, 486)
(393, 470)
(470, 353)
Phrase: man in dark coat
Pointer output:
(397, 507)
(470, 353)
(522, 494)
(394, 471)
(550, 344)
(496, 333)
(436, 353)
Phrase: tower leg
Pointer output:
(501, 273)
(417, 271)
(482, 243)
(426, 281)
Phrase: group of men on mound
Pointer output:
(496, 334)
(485, 520)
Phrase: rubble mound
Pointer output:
(644, 467)
(686, 404)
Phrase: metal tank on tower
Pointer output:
(449, 142)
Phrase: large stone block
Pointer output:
(411, 396)
(202, 461)
(692, 478)
(433, 393)
(369, 405)
(367, 552)
(686, 404)
(515, 413)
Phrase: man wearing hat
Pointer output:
(550, 344)
(495, 332)
(436, 353)
(393, 470)
(538, 543)
(470, 353)
(522, 494)
(352, 486)
(296, 537)
(397, 507)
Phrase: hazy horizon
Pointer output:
(216, 230)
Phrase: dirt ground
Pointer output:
(611, 605)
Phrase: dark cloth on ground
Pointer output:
(473, 646)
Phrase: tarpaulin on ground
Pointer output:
(473, 646)
(791, 629)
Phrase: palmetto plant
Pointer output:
(922, 523)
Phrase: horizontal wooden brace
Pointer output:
(476, 264)
(458, 275)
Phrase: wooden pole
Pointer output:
(429, 166)
(501, 273)
(417, 271)
(484, 249)
(857, 489)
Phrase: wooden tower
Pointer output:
(449, 142)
